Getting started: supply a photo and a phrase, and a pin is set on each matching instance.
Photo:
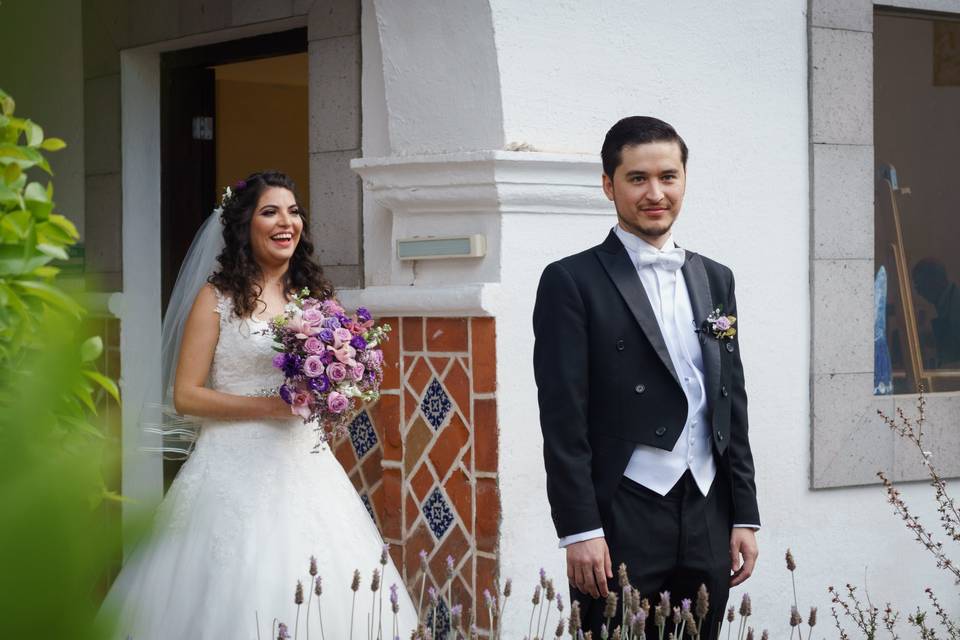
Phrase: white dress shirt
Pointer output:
(654, 468)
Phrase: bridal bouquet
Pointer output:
(331, 362)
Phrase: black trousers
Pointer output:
(669, 543)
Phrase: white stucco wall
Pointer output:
(734, 83)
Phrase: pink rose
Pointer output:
(722, 323)
(313, 345)
(357, 372)
(301, 405)
(337, 402)
(340, 336)
(313, 366)
(346, 355)
(336, 371)
(302, 329)
(312, 315)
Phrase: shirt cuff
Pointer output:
(580, 537)
(755, 527)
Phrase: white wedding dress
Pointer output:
(241, 520)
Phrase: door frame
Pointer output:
(139, 306)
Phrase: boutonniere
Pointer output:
(718, 325)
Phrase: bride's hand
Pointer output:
(277, 408)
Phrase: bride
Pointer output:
(252, 504)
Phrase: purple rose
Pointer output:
(358, 343)
(363, 315)
(286, 394)
(327, 357)
(330, 307)
(313, 366)
(722, 323)
(279, 360)
(326, 335)
(336, 371)
(320, 384)
(337, 402)
(344, 320)
(358, 372)
(330, 323)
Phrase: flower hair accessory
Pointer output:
(718, 325)
(229, 194)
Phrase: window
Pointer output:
(917, 202)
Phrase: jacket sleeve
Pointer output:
(561, 368)
(743, 485)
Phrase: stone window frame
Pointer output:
(849, 442)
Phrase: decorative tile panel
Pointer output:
(435, 405)
(366, 502)
(425, 457)
(362, 435)
(438, 514)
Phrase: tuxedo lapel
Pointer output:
(695, 275)
(613, 256)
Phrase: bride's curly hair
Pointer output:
(238, 273)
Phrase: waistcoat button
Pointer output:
(620, 345)
(723, 391)
(640, 388)
(660, 431)
(730, 347)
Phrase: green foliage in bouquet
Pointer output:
(56, 542)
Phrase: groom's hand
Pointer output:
(743, 554)
(588, 566)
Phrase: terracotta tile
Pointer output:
(420, 540)
(419, 376)
(385, 415)
(449, 442)
(412, 334)
(413, 511)
(485, 434)
(458, 387)
(455, 544)
(409, 406)
(391, 357)
(357, 481)
(488, 514)
(446, 334)
(422, 483)
(439, 363)
(372, 466)
(396, 555)
(344, 453)
(460, 492)
(376, 501)
(483, 350)
(391, 507)
(486, 579)
(461, 594)
(418, 437)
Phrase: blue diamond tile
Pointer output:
(438, 514)
(435, 405)
(366, 502)
(442, 614)
(362, 434)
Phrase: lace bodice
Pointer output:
(242, 362)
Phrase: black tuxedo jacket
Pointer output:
(606, 382)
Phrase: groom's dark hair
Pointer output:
(635, 130)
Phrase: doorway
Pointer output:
(227, 110)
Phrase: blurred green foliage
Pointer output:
(55, 541)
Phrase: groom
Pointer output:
(642, 400)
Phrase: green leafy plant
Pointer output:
(55, 541)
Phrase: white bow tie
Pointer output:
(668, 259)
